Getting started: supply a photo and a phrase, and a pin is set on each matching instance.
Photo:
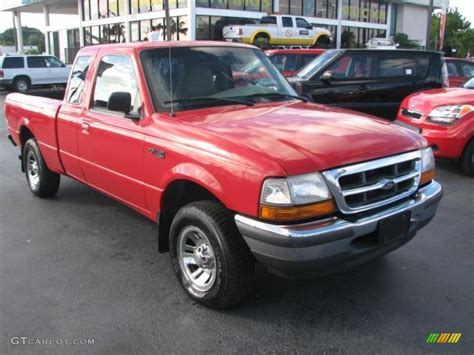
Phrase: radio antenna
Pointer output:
(172, 113)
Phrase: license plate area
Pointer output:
(393, 227)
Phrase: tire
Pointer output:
(222, 264)
(42, 182)
(467, 159)
(21, 84)
(322, 42)
(262, 41)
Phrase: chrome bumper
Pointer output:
(296, 250)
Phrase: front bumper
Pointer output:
(328, 246)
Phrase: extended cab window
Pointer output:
(77, 81)
(115, 75)
(268, 20)
(36, 62)
(287, 21)
(52, 62)
(452, 69)
(13, 63)
(467, 69)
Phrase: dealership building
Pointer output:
(351, 22)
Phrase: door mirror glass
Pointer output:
(120, 102)
(326, 77)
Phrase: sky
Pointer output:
(466, 7)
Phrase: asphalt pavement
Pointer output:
(83, 268)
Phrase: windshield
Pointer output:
(314, 66)
(469, 84)
(197, 77)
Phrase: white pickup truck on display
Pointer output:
(20, 72)
(279, 30)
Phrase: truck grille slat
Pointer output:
(364, 186)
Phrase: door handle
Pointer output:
(85, 127)
(364, 88)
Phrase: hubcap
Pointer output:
(197, 260)
(32, 169)
(22, 86)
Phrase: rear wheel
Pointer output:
(21, 84)
(42, 181)
(322, 42)
(262, 41)
(210, 257)
(467, 160)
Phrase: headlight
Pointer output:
(449, 114)
(427, 166)
(296, 197)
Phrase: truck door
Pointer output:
(110, 144)
(58, 72)
(304, 32)
(69, 117)
(287, 31)
(37, 69)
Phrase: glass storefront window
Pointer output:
(296, 7)
(103, 9)
(267, 6)
(156, 5)
(308, 7)
(252, 5)
(236, 4)
(203, 27)
(284, 6)
(332, 9)
(121, 7)
(218, 4)
(205, 3)
(94, 9)
(346, 9)
(134, 6)
(87, 11)
(135, 31)
(383, 13)
(182, 3)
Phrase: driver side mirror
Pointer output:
(326, 77)
(121, 102)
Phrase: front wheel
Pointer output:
(467, 160)
(42, 181)
(21, 85)
(210, 257)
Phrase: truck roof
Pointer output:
(163, 44)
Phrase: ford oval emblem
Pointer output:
(387, 184)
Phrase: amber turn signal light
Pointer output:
(294, 213)
(427, 176)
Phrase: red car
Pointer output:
(445, 117)
(459, 71)
(232, 168)
(290, 61)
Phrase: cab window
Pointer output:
(36, 62)
(452, 69)
(467, 69)
(52, 62)
(268, 20)
(351, 66)
(403, 66)
(302, 23)
(78, 79)
(13, 63)
(115, 75)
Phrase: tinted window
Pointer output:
(452, 69)
(268, 20)
(77, 81)
(278, 60)
(291, 62)
(115, 74)
(36, 62)
(306, 58)
(351, 66)
(467, 69)
(287, 22)
(317, 64)
(413, 65)
(13, 63)
(301, 23)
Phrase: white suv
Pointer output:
(21, 72)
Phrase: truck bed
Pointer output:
(38, 116)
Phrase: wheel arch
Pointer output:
(178, 193)
(21, 76)
(258, 33)
(319, 36)
(25, 134)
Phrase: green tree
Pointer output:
(31, 37)
(458, 33)
(404, 42)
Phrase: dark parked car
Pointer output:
(370, 81)
(289, 61)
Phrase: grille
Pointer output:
(360, 187)
(411, 114)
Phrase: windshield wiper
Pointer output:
(278, 94)
(206, 98)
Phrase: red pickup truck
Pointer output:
(211, 142)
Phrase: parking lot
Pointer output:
(82, 266)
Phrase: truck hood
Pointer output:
(425, 101)
(303, 137)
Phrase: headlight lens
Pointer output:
(308, 188)
(449, 114)
(276, 192)
(295, 190)
(427, 160)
